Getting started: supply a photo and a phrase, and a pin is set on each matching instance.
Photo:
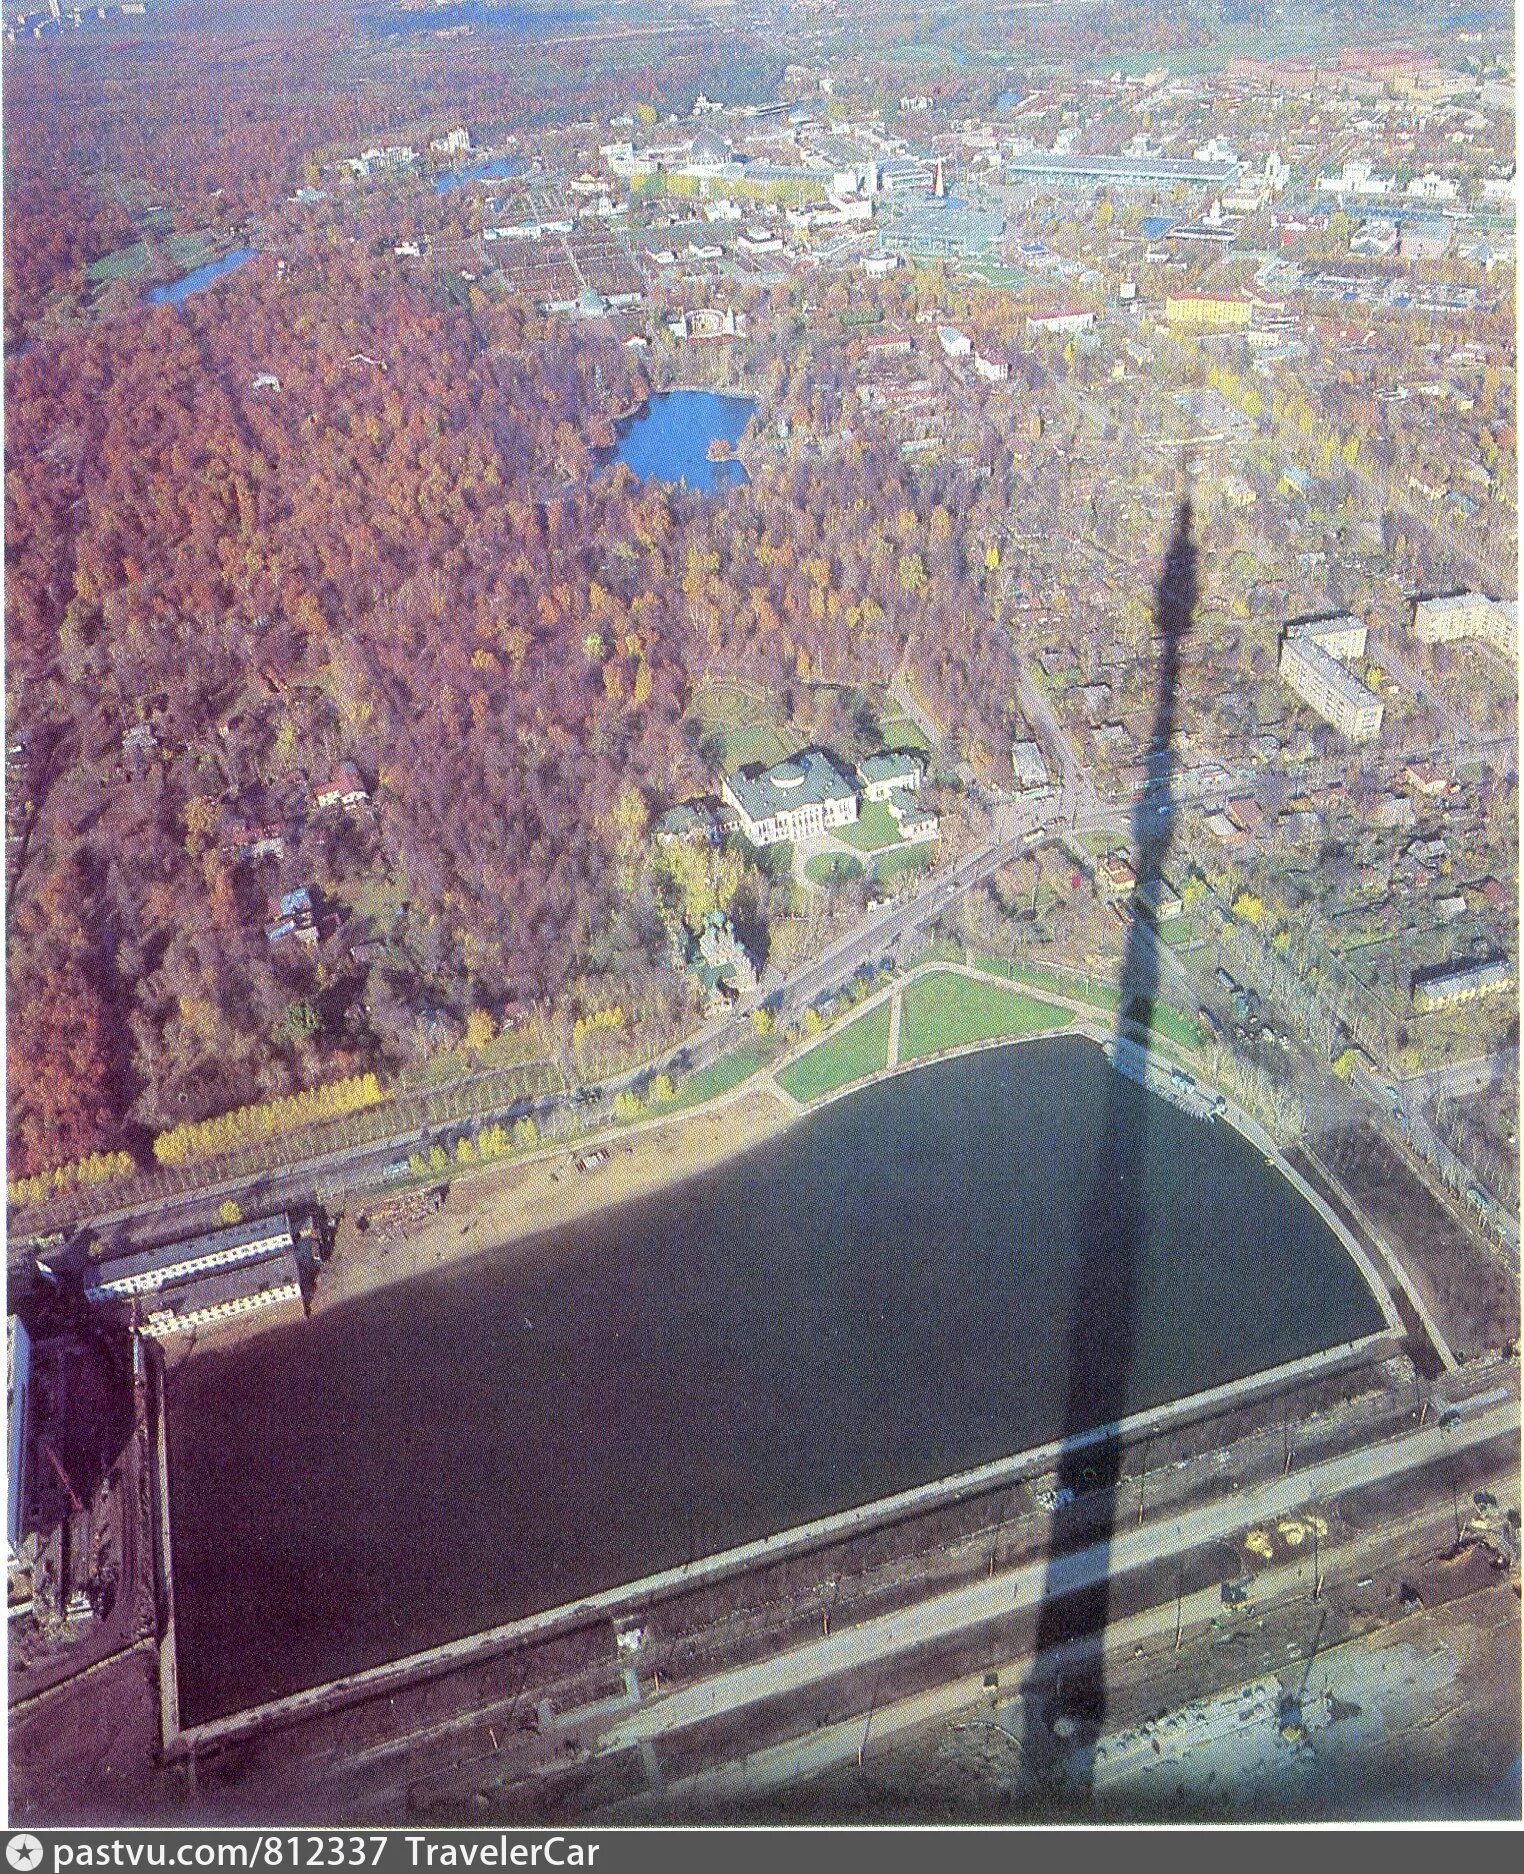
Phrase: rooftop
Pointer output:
(1340, 680)
(217, 1287)
(1044, 163)
(263, 1231)
(808, 778)
(891, 765)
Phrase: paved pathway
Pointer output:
(945, 1614)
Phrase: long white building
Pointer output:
(793, 800)
(1313, 665)
(207, 1300)
(146, 1271)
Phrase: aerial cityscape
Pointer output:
(761, 838)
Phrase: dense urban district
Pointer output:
(406, 771)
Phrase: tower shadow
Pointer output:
(1068, 1684)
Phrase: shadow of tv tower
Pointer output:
(1069, 1690)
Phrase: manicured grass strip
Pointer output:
(1167, 1022)
(875, 826)
(852, 1053)
(717, 1078)
(1076, 988)
(892, 865)
(755, 742)
(1177, 1028)
(901, 732)
(948, 1011)
(832, 868)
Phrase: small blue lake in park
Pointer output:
(669, 439)
(530, 20)
(177, 291)
(489, 169)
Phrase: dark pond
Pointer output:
(878, 1297)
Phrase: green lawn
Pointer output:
(118, 265)
(852, 1053)
(756, 742)
(832, 868)
(947, 1011)
(893, 865)
(1177, 1028)
(742, 724)
(874, 827)
(181, 250)
(718, 1077)
(1076, 988)
(899, 732)
(1175, 930)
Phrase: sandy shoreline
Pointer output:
(490, 1210)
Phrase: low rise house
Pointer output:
(692, 823)
(915, 820)
(1393, 810)
(1063, 322)
(1424, 778)
(884, 774)
(1159, 899)
(139, 746)
(1245, 812)
(295, 919)
(1448, 987)
(343, 788)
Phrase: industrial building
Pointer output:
(1313, 665)
(1468, 615)
(1120, 172)
(208, 1299)
(146, 1271)
(942, 233)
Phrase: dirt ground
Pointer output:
(84, 1753)
(1464, 1286)
(1423, 1724)
(491, 1208)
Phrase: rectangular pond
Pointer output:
(883, 1295)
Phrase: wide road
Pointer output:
(1077, 810)
(1027, 1586)
(303, 1182)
